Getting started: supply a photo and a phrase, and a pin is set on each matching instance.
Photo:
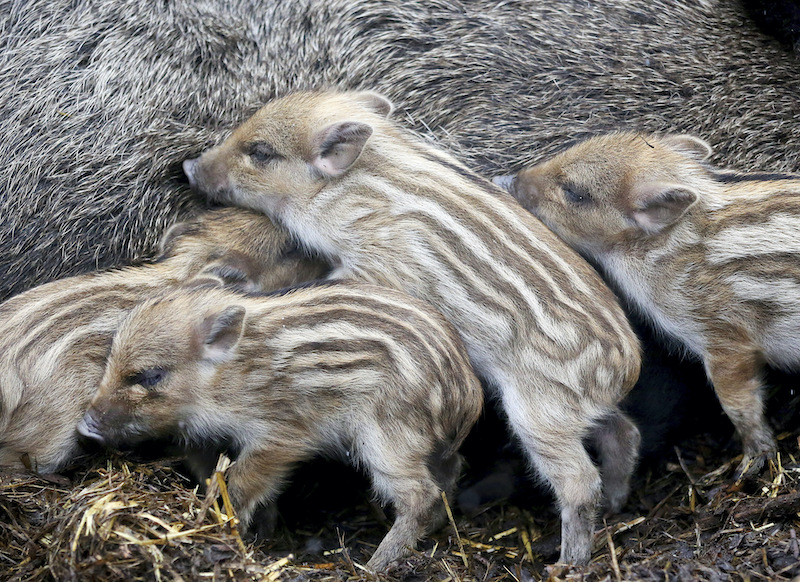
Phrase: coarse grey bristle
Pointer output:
(101, 102)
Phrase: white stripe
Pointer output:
(781, 233)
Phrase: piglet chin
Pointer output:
(87, 427)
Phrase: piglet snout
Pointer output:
(505, 182)
(88, 427)
(208, 174)
(189, 167)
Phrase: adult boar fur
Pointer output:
(101, 101)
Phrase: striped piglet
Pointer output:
(385, 207)
(356, 371)
(711, 257)
(54, 338)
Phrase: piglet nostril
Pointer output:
(189, 167)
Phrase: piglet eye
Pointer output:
(261, 152)
(576, 196)
(148, 378)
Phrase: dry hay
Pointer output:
(124, 520)
(121, 522)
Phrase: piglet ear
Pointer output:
(658, 205)
(338, 146)
(168, 238)
(375, 102)
(689, 145)
(204, 280)
(505, 181)
(222, 332)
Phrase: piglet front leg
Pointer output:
(734, 365)
(256, 479)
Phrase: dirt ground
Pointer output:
(686, 520)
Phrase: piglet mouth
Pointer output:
(89, 428)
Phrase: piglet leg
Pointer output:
(257, 478)
(734, 366)
(553, 439)
(617, 440)
(398, 465)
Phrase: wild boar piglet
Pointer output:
(710, 257)
(385, 207)
(54, 338)
(357, 371)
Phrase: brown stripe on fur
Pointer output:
(486, 225)
(767, 266)
(363, 312)
(756, 211)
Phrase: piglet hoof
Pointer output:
(577, 527)
(615, 503)
(557, 571)
(381, 563)
(751, 466)
(758, 447)
(616, 495)
(386, 556)
(574, 556)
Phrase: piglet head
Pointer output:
(289, 150)
(244, 250)
(163, 370)
(613, 190)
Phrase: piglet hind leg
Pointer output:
(617, 441)
(553, 440)
(400, 474)
(735, 370)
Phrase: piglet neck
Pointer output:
(645, 262)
